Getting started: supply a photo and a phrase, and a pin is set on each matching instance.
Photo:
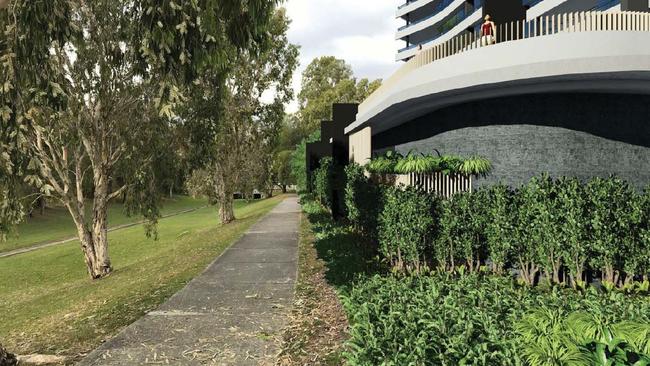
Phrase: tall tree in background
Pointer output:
(325, 81)
(246, 128)
(290, 136)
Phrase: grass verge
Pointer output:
(318, 323)
(56, 223)
(49, 305)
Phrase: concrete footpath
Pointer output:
(232, 314)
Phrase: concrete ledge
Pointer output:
(607, 61)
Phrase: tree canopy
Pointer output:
(325, 81)
(245, 132)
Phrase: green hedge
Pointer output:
(363, 201)
(323, 177)
(563, 231)
(463, 314)
(406, 227)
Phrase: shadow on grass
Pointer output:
(347, 254)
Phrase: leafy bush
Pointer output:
(440, 318)
(499, 226)
(461, 237)
(614, 210)
(406, 227)
(571, 217)
(561, 230)
(468, 320)
(299, 162)
(323, 182)
(644, 236)
(363, 201)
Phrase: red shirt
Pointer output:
(486, 29)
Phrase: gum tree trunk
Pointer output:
(93, 235)
(226, 211)
(100, 226)
(224, 193)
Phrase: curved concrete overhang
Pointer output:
(605, 61)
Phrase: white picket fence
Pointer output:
(443, 185)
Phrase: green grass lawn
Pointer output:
(49, 305)
(56, 223)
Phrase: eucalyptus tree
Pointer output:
(244, 125)
(110, 118)
(325, 81)
(282, 169)
(84, 88)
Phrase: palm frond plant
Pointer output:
(450, 164)
(546, 341)
(477, 166)
(635, 334)
(384, 164)
(420, 164)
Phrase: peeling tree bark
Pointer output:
(226, 212)
(225, 194)
(102, 265)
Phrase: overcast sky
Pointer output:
(362, 32)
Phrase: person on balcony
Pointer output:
(488, 31)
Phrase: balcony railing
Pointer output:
(593, 21)
(435, 12)
(408, 2)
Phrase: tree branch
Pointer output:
(117, 193)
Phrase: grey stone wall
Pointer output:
(564, 135)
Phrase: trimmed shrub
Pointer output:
(644, 236)
(460, 240)
(614, 213)
(406, 227)
(323, 182)
(499, 227)
(363, 201)
(571, 218)
(561, 230)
